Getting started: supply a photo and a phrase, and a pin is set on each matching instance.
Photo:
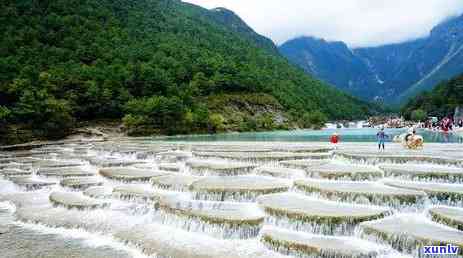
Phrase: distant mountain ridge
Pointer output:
(233, 23)
(391, 72)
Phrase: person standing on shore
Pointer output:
(334, 139)
(381, 136)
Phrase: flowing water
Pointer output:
(140, 197)
(347, 135)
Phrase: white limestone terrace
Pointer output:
(407, 231)
(15, 172)
(227, 220)
(220, 168)
(236, 199)
(366, 192)
(303, 164)
(65, 172)
(451, 216)
(171, 242)
(279, 171)
(130, 174)
(247, 147)
(175, 182)
(420, 171)
(81, 182)
(31, 182)
(88, 220)
(237, 187)
(339, 171)
(432, 153)
(169, 167)
(440, 191)
(76, 200)
(297, 243)
(214, 212)
(177, 155)
(322, 216)
(262, 156)
(137, 192)
(99, 192)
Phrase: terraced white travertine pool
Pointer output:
(136, 197)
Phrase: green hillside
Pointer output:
(155, 63)
(441, 101)
(233, 22)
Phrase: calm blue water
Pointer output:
(347, 135)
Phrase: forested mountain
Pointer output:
(391, 72)
(440, 102)
(332, 62)
(232, 21)
(161, 64)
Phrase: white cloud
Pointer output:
(356, 22)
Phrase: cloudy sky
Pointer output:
(357, 22)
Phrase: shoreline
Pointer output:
(98, 134)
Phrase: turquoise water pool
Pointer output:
(347, 135)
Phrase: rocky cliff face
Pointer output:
(391, 72)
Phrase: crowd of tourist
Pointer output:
(444, 125)
(410, 139)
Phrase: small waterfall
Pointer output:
(217, 230)
(226, 196)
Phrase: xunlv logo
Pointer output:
(448, 249)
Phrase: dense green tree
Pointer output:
(166, 114)
(315, 119)
(439, 102)
(155, 63)
(419, 115)
(216, 122)
(4, 115)
(265, 122)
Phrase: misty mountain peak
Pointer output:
(391, 72)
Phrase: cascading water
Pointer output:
(231, 200)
